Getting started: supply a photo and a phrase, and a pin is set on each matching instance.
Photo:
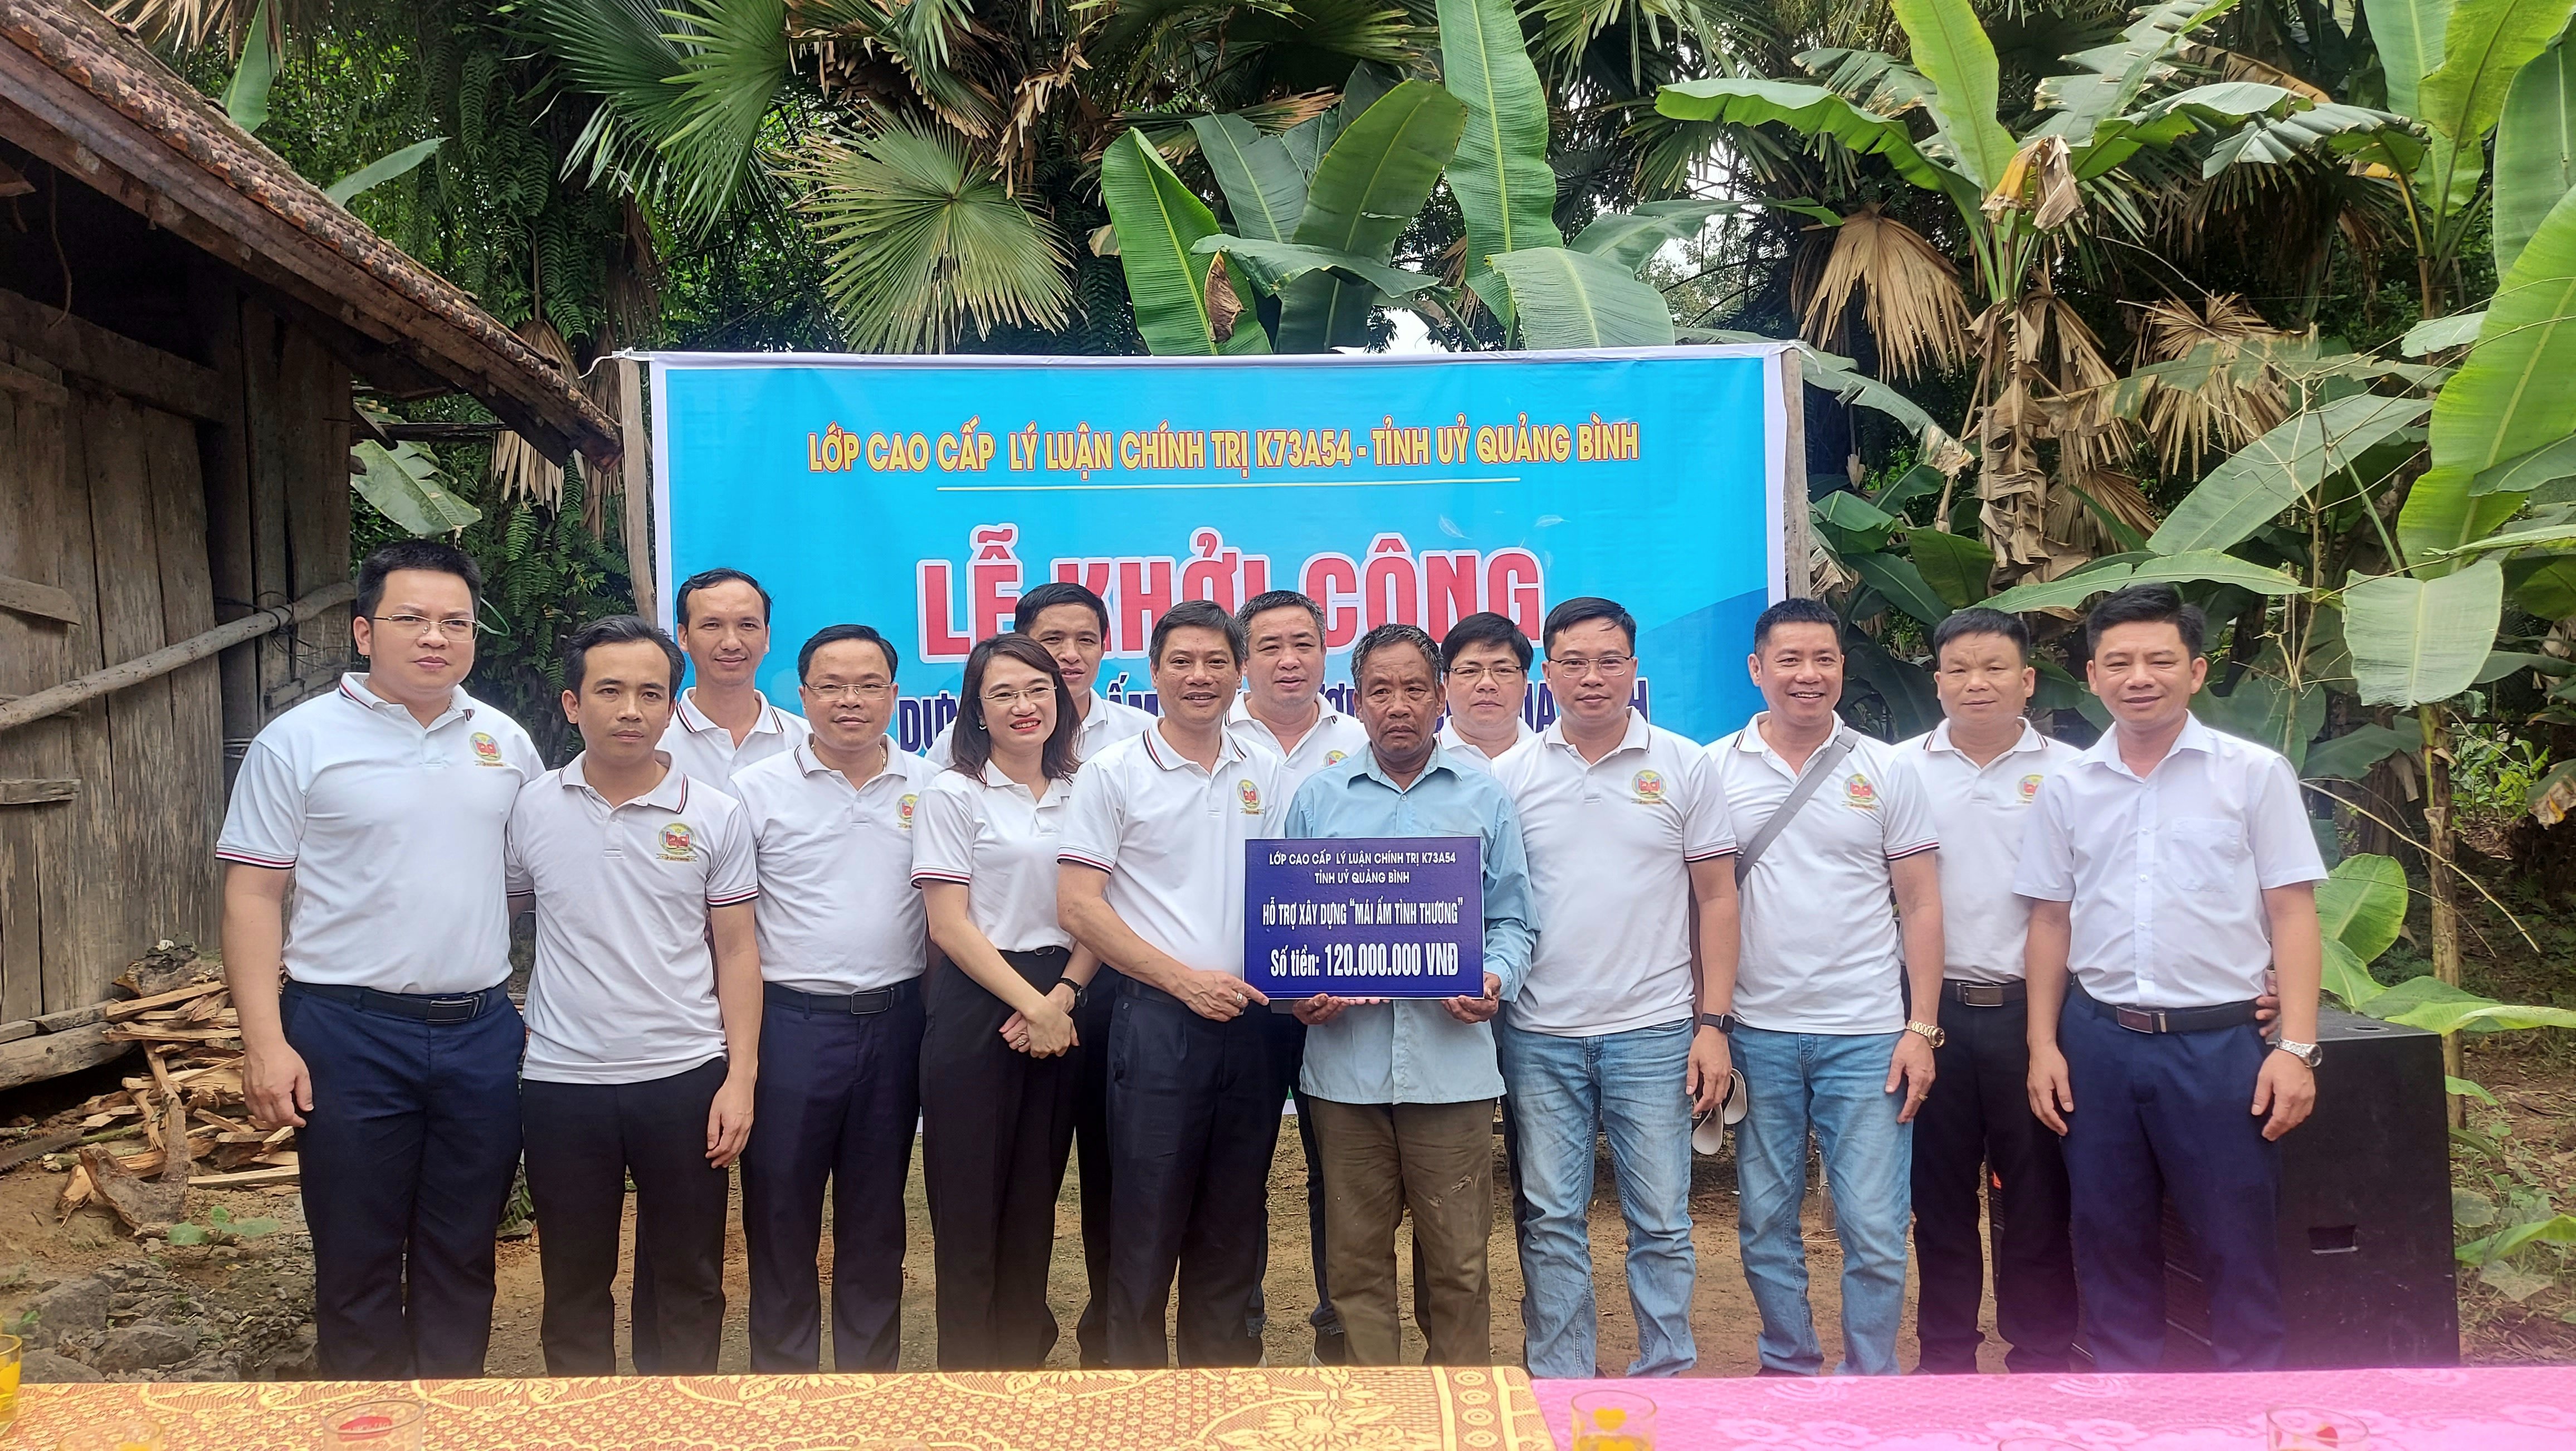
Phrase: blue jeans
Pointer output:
(1564, 1092)
(1836, 1085)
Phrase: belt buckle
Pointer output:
(1980, 995)
(454, 1010)
(877, 1000)
(2139, 1020)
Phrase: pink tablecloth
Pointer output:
(2497, 1409)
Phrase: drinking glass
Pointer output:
(384, 1425)
(1613, 1421)
(133, 1433)
(11, 1348)
(2306, 1428)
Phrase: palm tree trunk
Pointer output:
(2440, 875)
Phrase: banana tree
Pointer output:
(2041, 374)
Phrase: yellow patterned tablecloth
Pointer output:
(1393, 1409)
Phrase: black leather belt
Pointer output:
(1984, 994)
(427, 1007)
(875, 1000)
(2168, 1020)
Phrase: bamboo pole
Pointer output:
(54, 700)
(2440, 854)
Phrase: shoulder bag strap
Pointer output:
(1819, 767)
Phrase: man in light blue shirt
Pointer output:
(1403, 1093)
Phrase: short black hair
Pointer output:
(1484, 627)
(1584, 608)
(1276, 599)
(616, 630)
(1388, 635)
(709, 579)
(1795, 610)
(835, 634)
(2146, 604)
(1198, 615)
(435, 555)
(1051, 594)
(1978, 620)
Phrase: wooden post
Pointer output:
(1795, 547)
(635, 471)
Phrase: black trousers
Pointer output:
(1091, 1020)
(584, 1141)
(839, 1096)
(1976, 1130)
(996, 1126)
(1193, 1120)
(1287, 1059)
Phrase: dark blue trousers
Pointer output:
(2166, 1114)
(838, 1101)
(1193, 1119)
(408, 1155)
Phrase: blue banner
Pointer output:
(1365, 917)
(923, 495)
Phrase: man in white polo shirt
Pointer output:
(843, 944)
(1152, 880)
(394, 1048)
(1981, 769)
(1487, 660)
(1628, 843)
(643, 1010)
(2169, 868)
(1831, 828)
(1071, 623)
(723, 722)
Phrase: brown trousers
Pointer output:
(1437, 1161)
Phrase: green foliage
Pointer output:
(220, 1228)
(1505, 188)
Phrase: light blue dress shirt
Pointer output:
(1412, 1051)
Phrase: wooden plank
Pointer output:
(145, 740)
(51, 1055)
(637, 485)
(81, 347)
(247, 1177)
(35, 387)
(194, 785)
(12, 1032)
(33, 654)
(214, 299)
(22, 983)
(264, 440)
(82, 942)
(315, 389)
(1795, 546)
(23, 791)
(41, 600)
(135, 1007)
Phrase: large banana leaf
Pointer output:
(2279, 468)
(1956, 566)
(2349, 757)
(407, 486)
(1159, 223)
(2516, 393)
(2415, 641)
(1952, 51)
(2435, 334)
(1287, 261)
(2362, 903)
(2434, 1005)
(2525, 472)
(381, 170)
(2070, 590)
(1505, 188)
(2113, 76)
(1264, 190)
(1902, 583)
(1364, 193)
(2409, 36)
(1630, 237)
(2535, 150)
(2485, 44)
(1814, 111)
(2273, 140)
(246, 96)
(1569, 299)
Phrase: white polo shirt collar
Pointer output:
(1331, 738)
(767, 723)
(837, 910)
(2194, 737)
(460, 706)
(707, 751)
(1170, 835)
(990, 835)
(671, 793)
(1471, 754)
(1982, 814)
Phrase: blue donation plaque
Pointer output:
(1365, 917)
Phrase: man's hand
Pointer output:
(1912, 1067)
(2266, 1008)
(1320, 1009)
(1477, 1010)
(2051, 1096)
(1710, 1062)
(277, 1087)
(2286, 1089)
(1216, 996)
(729, 1120)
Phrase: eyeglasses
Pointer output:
(1010, 699)
(1579, 666)
(455, 627)
(1499, 674)
(864, 690)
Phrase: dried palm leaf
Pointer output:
(2039, 180)
(2233, 66)
(2228, 408)
(518, 469)
(1911, 300)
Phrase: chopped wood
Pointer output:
(229, 1126)
(245, 1178)
(151, 1124)
(144, 1204)
(76, 1192)
(168, 965)
(119, 1012)
(160, 1073)
(155, 1033)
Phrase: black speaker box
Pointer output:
(2367, 1276)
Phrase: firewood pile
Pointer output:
(182, 1123)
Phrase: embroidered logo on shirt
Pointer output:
(1335, 758)
(1250, 795)
(1859, 794)
(2030, 787)
(1649, 786)
(487, 751)
(903, 811)
(677, 843)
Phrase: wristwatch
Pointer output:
(2308, 1053)
(1080, 989)
(1723, 1022)
(1930, 1032)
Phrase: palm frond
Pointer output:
(923, 241)
(518, 470)
(682, 111)
(2232, 406)
(1910, 296)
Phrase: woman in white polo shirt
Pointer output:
(998, 1065)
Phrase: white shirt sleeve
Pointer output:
(943, 833)
(1093, 820)
(517, 880)
(2047, 870)
(1906, 817)
(521, 752)
(1708, 828)
(942, 751)
(264, 824)
(2285, 846)
(733, 873)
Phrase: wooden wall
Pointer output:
(148, 498)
